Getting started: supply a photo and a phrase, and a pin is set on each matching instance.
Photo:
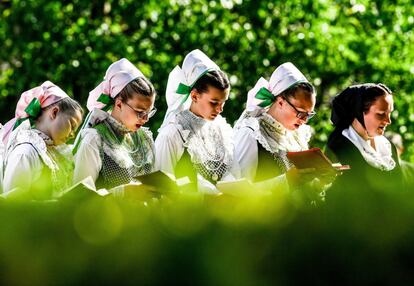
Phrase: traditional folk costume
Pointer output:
(262, 141)
(371, 168)
(188, 145)
(31, 161)
(105, 149)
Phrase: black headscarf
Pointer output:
(349, 104)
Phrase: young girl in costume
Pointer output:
(194, 140)
(113, 147)
(361, 114)
(37, 163)
(273, 124)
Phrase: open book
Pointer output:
(152, 185)
(82, 189)
(314, 159)
(162, 182)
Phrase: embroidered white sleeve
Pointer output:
(23, 167)
(88, 160)
(246, 152)
(169, 147)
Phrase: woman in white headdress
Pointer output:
(273, 124)
(194, 140)
(113, 147)
(37, 162)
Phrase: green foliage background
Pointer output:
(335, 43)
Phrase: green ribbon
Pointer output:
(183, 89)
(265, 95)
(107, 100)
(33, 110)
(186, 89)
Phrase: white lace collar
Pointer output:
(380, 158)
(39, 140)
(45, 138)
(209, 143)
(99, 116)
(272, 135)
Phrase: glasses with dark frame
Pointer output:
(301, 114)
(143, 114)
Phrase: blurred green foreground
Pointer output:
(188, 238)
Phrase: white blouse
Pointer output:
(88, 160)
(24, 166)
(28, 153)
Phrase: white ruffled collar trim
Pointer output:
(380, 158)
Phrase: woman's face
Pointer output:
(378, 116)
(63, 126)
(136, 111)
(289, 111)
(208, 105)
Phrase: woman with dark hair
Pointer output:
(113, 147)
(273, 124)
(37, 162)
(194, 140)
(361, 114)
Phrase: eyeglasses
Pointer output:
(301, 114)
(143, 114)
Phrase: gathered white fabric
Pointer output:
(380, 157)
(194, 66)
(284, 76)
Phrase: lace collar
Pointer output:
(272, 124)
(380, 158)
(98, 116)
(46, 139)
(196, 121)
(40, 142)
(209, 143)
(118, 127)
(271, 134)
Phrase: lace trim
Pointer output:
(117, 126)
(272, 135)
(24, 134)
(132, 150)
(209, 143)
(57, 158)
(380, 160)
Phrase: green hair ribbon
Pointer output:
(265, 95)
(33, 110)
(107, 100)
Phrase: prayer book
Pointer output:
(314, 159)
(83, 189)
